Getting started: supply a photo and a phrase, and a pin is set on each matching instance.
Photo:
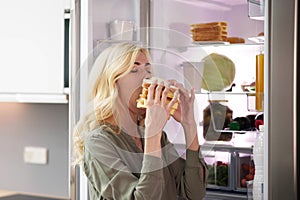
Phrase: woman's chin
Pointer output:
(141, 111)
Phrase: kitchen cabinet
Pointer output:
(32, 51)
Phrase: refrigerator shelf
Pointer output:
(227, 93)
(218, 44)
(211, 43)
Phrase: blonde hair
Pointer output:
(112, 64)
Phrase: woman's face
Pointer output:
(130, 85)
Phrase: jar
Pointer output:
(216, 117)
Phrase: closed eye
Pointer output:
(149, 71)
(147, 66)
(134, 70)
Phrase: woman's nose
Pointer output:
(147, 74)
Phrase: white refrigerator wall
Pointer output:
(179, 14)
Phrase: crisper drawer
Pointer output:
(219, 164)
(229, 168)
(245, 170)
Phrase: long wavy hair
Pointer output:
(112, 64)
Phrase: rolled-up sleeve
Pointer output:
(190, 173)
(195, 175)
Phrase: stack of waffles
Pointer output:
(212, 31)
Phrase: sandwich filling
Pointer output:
(142, 101)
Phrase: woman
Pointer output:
(124, 151)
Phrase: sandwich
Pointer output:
(142, 100)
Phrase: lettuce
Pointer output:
(219, 72)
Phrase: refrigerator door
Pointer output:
(91, 31)
(281, 100)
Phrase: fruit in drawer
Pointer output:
(245, 167)
(218, 174)
(243, 182)
(252, 170)
(247, 171)
(249, 177)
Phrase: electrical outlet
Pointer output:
(35, 155)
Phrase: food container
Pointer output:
(244, 140)
(216, 117)
(256, 9)
(122, 30)
(230, 168)
(218, 164)
(245, 169)
(250, 190)
(193, 73)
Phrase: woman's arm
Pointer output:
(189, 174)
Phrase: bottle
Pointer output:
(258, 156)
(259, 83)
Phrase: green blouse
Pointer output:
(117, 169)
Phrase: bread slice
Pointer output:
(208, 29)
(210, 38)
(209, 24)
(210, 33)
(142, 101)
(235, 40)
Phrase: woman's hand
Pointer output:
(185, 111)
(185, 115)
(158, 108)
(157, 115)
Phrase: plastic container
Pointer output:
(258, 156)
(216, 117)
(193, 73)
(122, 30)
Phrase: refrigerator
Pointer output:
(164, 25)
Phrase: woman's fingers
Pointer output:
(158, 91)
(165, 96)
(151, 92)
(193, 94)
(158, 94)
(173, 101)
(182, 90)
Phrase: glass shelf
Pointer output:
(215, 44)
(227, 93)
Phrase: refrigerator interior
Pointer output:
(172, 45)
